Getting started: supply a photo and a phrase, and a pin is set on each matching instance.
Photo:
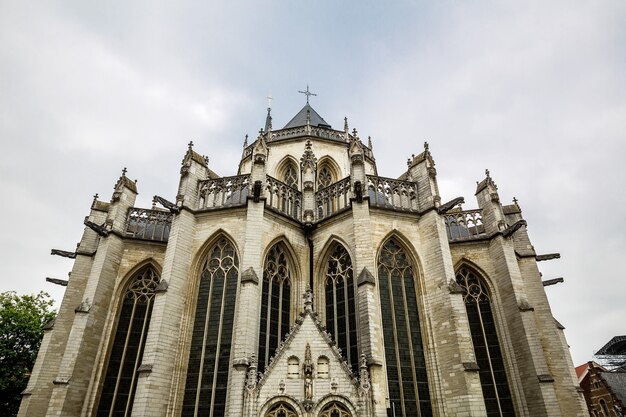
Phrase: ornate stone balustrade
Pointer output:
(315, 131)
(224, 192)
(148, 224)
(333, 198)
(283, 198)
(391, 193)
(464, 225)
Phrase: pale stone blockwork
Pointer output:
(333, 198)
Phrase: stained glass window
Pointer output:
(341, 304)
(207, 373)
(120, 380)
(406, 367)
(275, 303)
(492, 373)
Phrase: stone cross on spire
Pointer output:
(307, 93)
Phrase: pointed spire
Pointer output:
(268, 120)
(245, 141)
(345, 124)
(308, 159)
(369, 142)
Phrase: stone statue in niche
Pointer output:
(307, 370)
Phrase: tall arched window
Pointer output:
(207, 373)
(406, 367)
(341, 304)
(275, 303)
(120, 381)
(493, 378)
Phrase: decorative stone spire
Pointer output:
(245, 141)
(345, 124)
(369, 142)
(307, 370)
(268, 121)
(308, 159)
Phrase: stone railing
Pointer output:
(391, 193)
(148, 224)
(318, 132)
(283, 198)
(333, 198)
(464, 225)
(224, 192)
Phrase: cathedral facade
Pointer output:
(305, 285)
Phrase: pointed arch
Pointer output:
(407, 377)
(137, 292)
(337, 289)
(329, 400)
(288, 171)
(209, 357)
(276, 299)
(328, 172)
(281, 399)
(478, 298)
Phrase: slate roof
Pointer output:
(300, 118)
(617, 382)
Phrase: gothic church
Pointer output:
(305, 285)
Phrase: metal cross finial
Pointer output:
(487, 173)
(124, 171)
(269, 100)
(515, 200)
(190, 144)
(307, 93)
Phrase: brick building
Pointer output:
(306, 285)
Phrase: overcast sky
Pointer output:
(535, 91)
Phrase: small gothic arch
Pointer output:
(328, 172)
(482, 320)
(273, 402)
(293, 367)
(323, 367)
(327, 402)
(288, 172)
(335, 409)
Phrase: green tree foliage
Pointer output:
(22, 318)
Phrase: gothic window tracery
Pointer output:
(489, 357)
(341, 304)
(324, 177)
(406, 366)
(275, 303)
(281, 410)
(290, 176)
(121, 376)
(335, 409)
(207, 372)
